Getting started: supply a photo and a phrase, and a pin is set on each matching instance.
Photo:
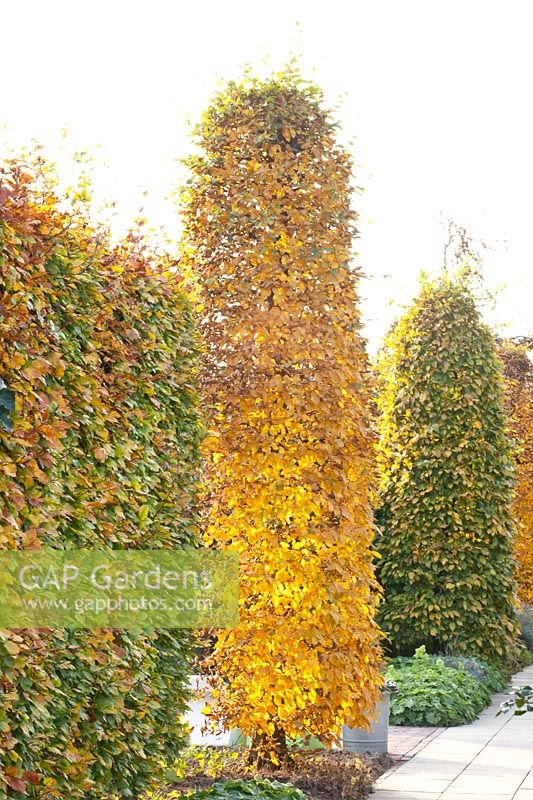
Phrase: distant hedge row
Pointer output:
(99, 447)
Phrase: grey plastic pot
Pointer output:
(356, 740)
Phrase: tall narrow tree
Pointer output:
(269, 230)
(518, 371)
(446, 481)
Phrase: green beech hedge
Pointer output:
(99, 447)
(445, 521)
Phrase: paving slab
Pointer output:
(392, 795)
(399, 781)
(528, 781)
(485, 785)
(405, 741)
(473, 797)
(491, 759)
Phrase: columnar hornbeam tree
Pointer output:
(446, 482)
(269, 229)
(518, 371)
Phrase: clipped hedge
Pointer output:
(99, 444)
(88, 714)
(446, 483)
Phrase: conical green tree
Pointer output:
(446, 482)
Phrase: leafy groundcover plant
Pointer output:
(432, 693)
(492, 678)
(242, 790)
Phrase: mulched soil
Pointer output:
(320, 774)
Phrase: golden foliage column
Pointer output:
(518, 371)
(269, 229)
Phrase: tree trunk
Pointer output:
(267, 750)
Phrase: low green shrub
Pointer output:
(432, 693)
(485, 673)
(525, 619)
(243, 790)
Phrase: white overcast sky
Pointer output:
(436, 93)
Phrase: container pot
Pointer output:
(356, 740)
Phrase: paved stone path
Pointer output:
(405, 741)
(491, 759)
